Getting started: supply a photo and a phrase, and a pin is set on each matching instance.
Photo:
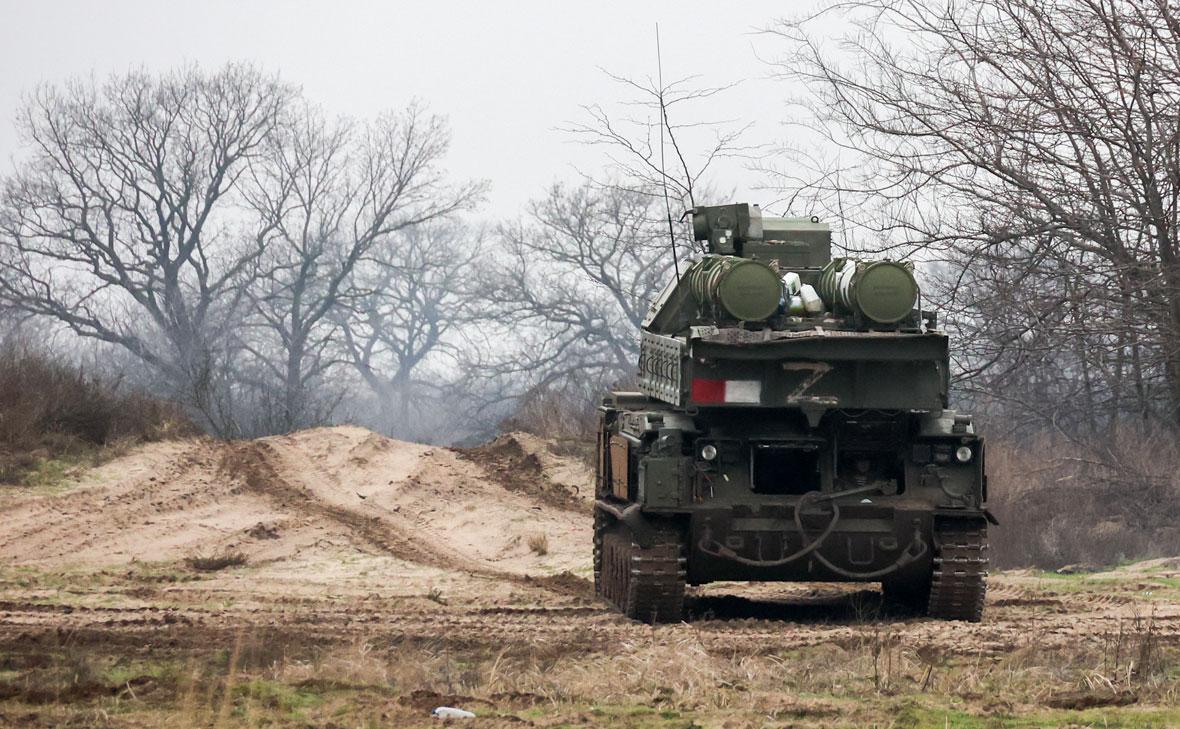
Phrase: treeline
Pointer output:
(1031, 152)
(224, 242)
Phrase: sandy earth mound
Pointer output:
(313, 495)
(345, 532)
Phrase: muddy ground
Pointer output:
(338, 578)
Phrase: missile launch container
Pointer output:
(778, 434)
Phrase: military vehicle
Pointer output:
(792, 424)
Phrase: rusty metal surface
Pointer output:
(620, 474)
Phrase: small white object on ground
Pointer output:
(449, 712)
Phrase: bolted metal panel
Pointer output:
(661, 361)
(662, 482)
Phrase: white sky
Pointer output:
(506, 74)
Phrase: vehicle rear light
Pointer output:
(727, 391)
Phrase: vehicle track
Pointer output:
(590, 626)
(297, 482)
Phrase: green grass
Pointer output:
(49, 476)
(1054, 582)
(267, 694)
(122, 672)
(1172, 583)
(1125, 717)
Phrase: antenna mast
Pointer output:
(664, 175)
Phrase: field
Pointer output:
(337, 578)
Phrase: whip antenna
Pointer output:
(664, 175)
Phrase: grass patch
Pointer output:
(539, 544)
(932, 713)
(1168, 582)
(275, 680)
(53, 475)
(123, 672)
(1076, 583)
(274, 695)
(215, 562)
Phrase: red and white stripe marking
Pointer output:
(747, 392)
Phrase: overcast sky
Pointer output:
(506, 74)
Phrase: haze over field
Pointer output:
(507, 75)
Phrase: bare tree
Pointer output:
(333, 197)
(665, 139)
(1033, 150)
(576, 278)
(577, 275)
(403, 326)
(122, 223)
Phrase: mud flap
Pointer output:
(642, 532)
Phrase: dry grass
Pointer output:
(258, 680)
(52, 413)
(1123, 670)
(539, 544)
(679, 673)
(1101, 501)
(215, 562)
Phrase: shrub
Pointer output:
(539, 544)
(217, 562)
(1096, 500)
(50, 409)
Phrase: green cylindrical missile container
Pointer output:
(741, 288)
(883, 291)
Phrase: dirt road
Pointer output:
(347, 539)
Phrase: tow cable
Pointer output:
(916, 549)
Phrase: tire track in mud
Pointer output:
(255, 463)
(567, 629)
(264, 469)
(83, 519)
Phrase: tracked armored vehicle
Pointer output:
(791, 424)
